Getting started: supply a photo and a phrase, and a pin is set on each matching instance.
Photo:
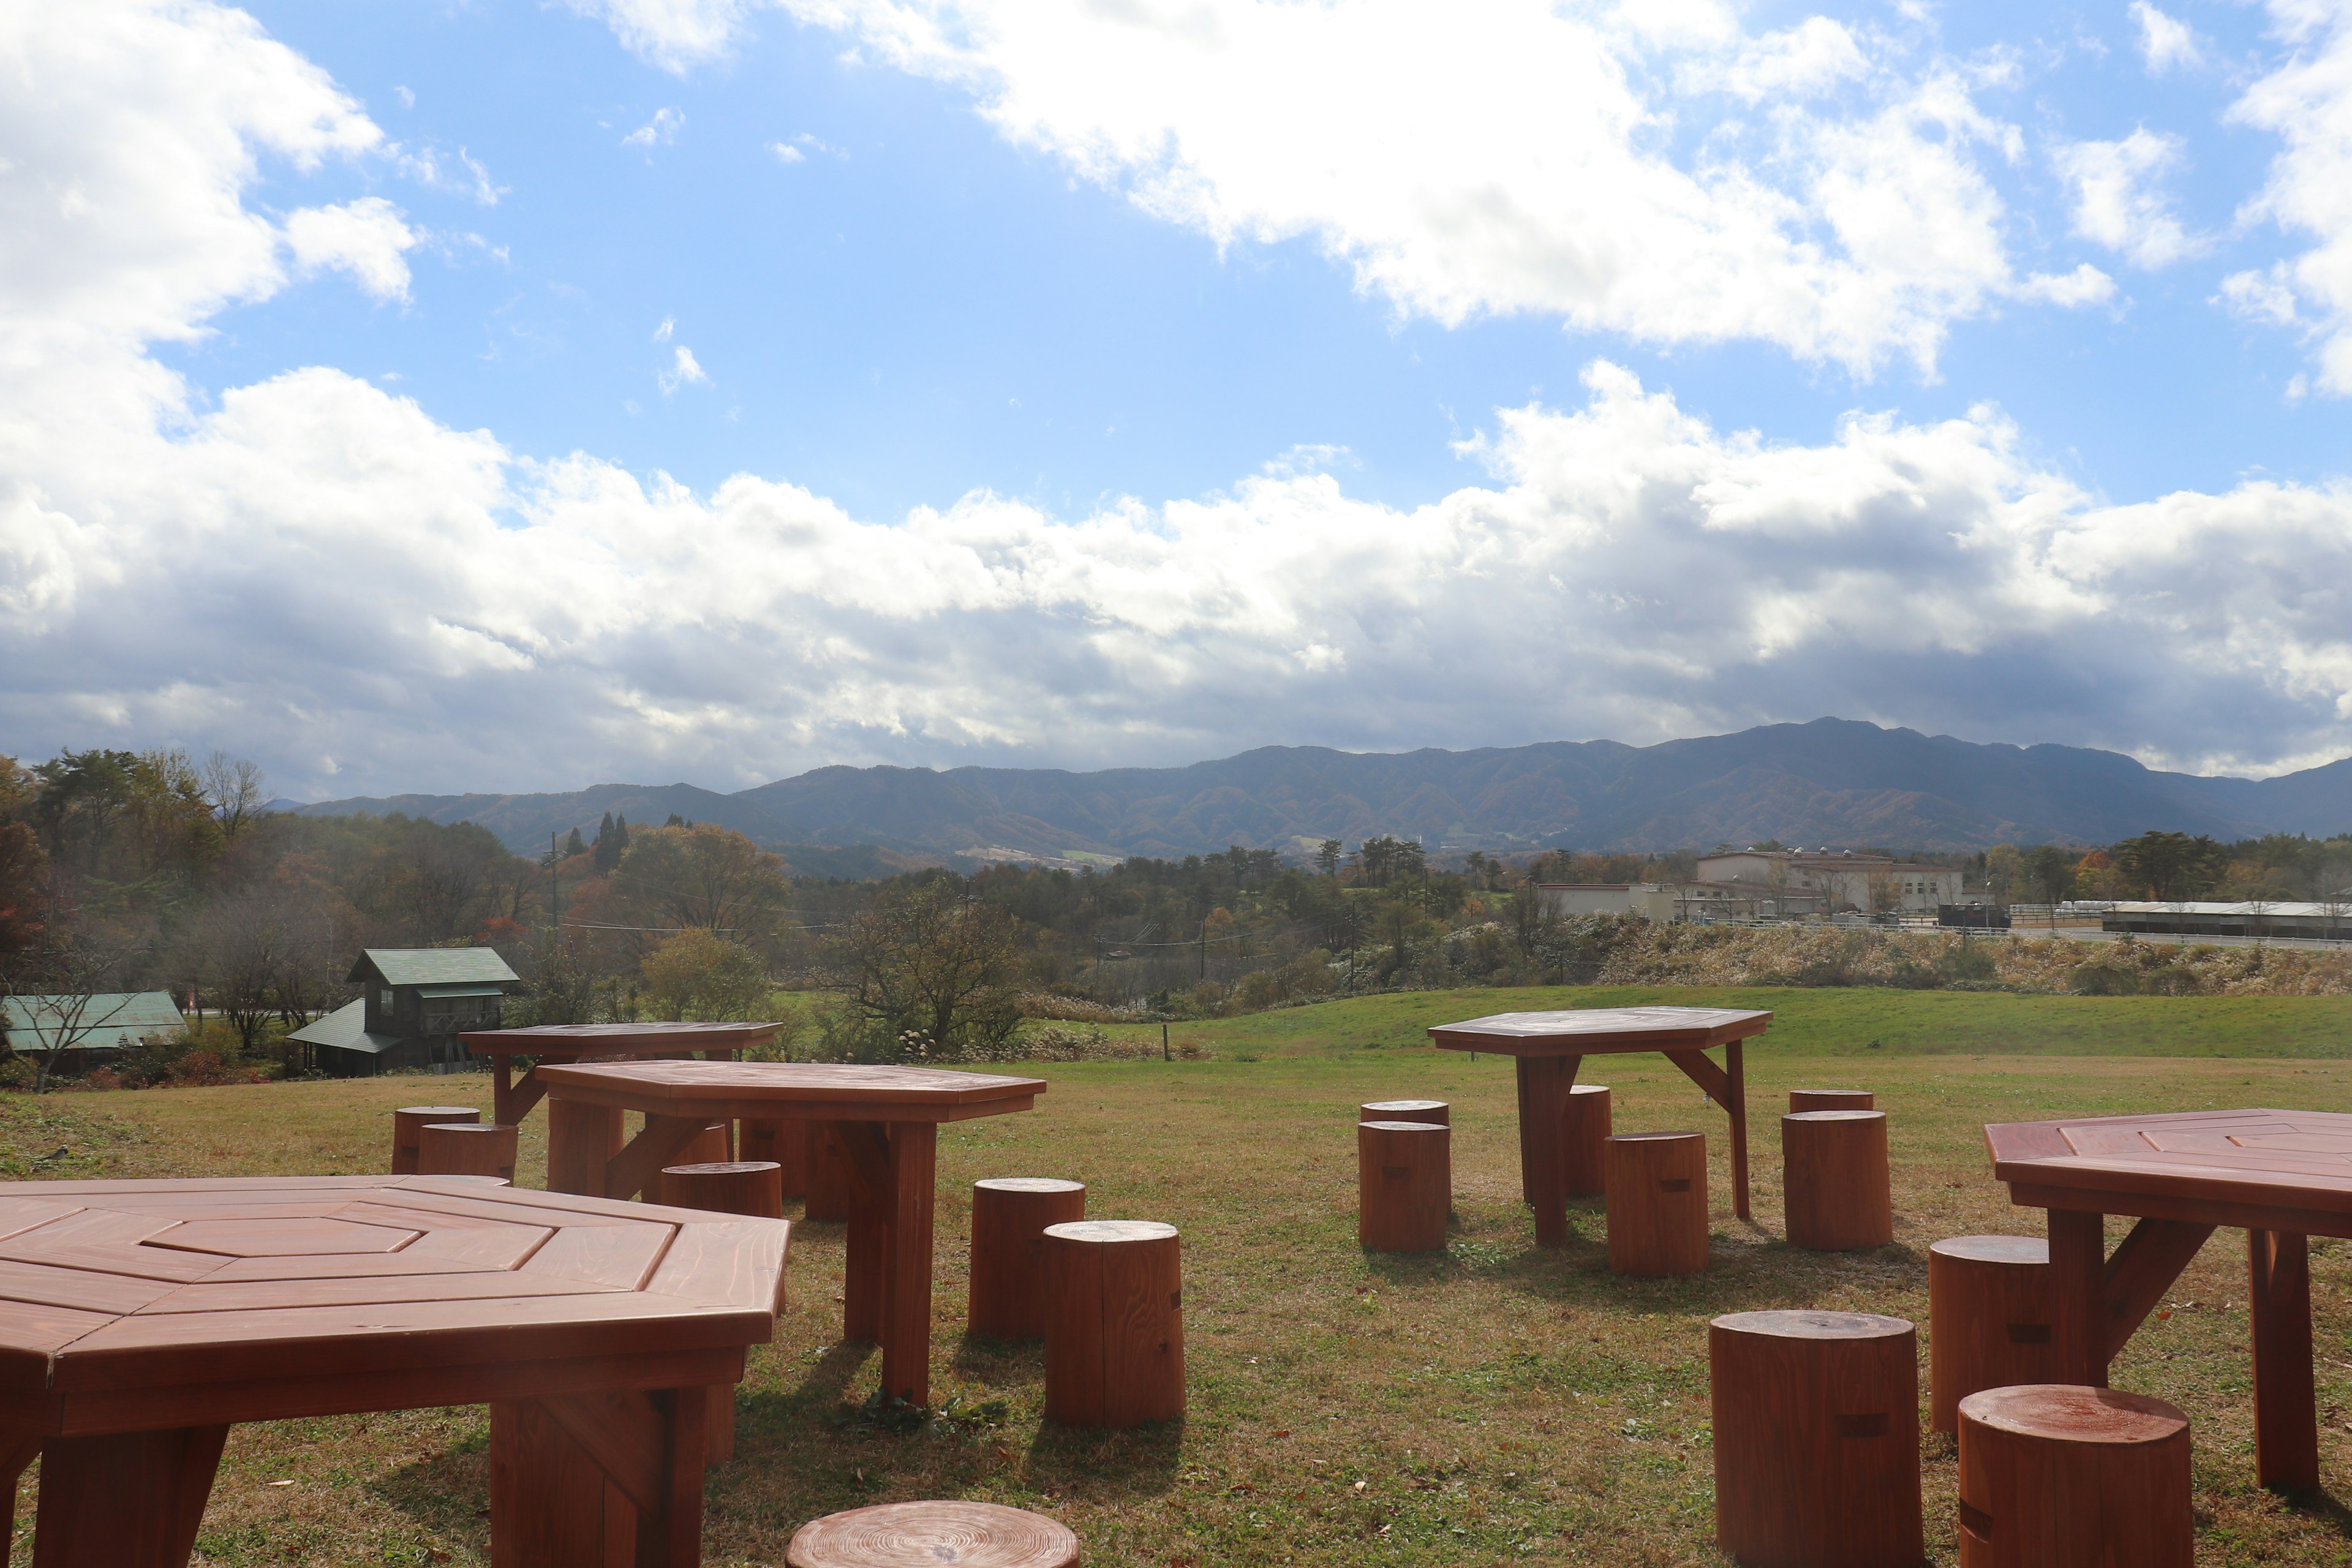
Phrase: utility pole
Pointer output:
(554, 884)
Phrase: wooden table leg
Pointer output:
(582, 1139)
(130, 1500)
(2078, 1293)
(502, 1093)
(907, 1294)
(663, 1141)
(1526, 1136)
(1735, 1070)
(1542, 1130)
(17, 1451)
(610, 1479)
(2286, 1411)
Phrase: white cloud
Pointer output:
(669, 325)
(468, 176)
(1512, 160)
(674, 34)
(683, 371)
(2165, 43)
(2118, 197)
(659, 132)
(786, 153)
(364, 238)
(2307, 103)
(2267, 296)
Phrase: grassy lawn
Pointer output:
(1490, 1404)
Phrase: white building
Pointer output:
(1842, 878)
(1653, 901)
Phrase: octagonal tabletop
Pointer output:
(237, 1300)
(1601, 1031)
(2238, 1162)
(582, 1041)
(821, 1092)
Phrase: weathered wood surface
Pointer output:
(2066, 1474)
(1115, 1330)
(1657, 1202)
(554, 1043)
(408, 1125)
(1988, 1320)
(1435, 1110)
(1838, 1191)
(1404, 1186)
(1803, 1099)
(1009, 1218)
(963, 1534)
(467, 1149)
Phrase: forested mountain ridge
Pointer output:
(1834, 782)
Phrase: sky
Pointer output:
(491, 395)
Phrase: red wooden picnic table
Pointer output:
(884, 1120)
(2284, 1175)
(139, 1319)
(553, 1043)
(1550, 1047)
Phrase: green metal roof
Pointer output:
(433, 966)
(461, 991)
(96, 1023)
(345, 1030)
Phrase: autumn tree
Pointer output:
(931, 968)
(700, 975)
(706, 877)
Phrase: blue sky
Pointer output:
(509, 396)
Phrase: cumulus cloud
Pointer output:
(684, 369)
(659, 132)
(674, 34)
(404, 590)
(2307, 103)
(364, 238)
(1514, 159)
(2165, 43)
(2118, 196)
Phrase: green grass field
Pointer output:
(1491, 1404)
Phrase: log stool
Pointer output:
(1435, 1110)
(1816, 1439)
(784, 1143)
(927, 1534)
(1831, 1099)
(1404, 1186)
(714, 1145)
(1657, 1202)
(1586, 1129)
(2061, 1476)
(828, 1178)
(1114, 1323)
(1988, 1320)
(467, 1149)
(410, 1120)
(724, 1187)
(1834, 1176)
(1009, 1217)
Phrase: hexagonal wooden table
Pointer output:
(137, 1320)
(1549, 1048)
(512, 1097)
(884, 1121)
(2286, 1175)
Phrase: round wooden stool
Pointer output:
(1831, 1099)
(828, 1178)
(752, 1188)
(785, 1143)
(1657, 1202)
(930, 1534)
(1838, 1193)
(1404, 1186)
(1435, 1110)
(1009, 1217)
(2060, 1476)
(1816, 1439)
(410, 1120)
(1114, 1323)
(1988, 1320)
(714, 1145)
(467, 1149)
(1586, 1130)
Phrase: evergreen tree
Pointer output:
(575, 845)
(608, 844)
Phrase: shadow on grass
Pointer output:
(1108, 1466)
(999, 1363)
(2324, 1508)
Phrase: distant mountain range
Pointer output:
(1833, 781)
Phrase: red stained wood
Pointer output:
(1435, 1110)
(1803, 1099)
(714, 1145)
(2286, 1410)
(130, 1500)
(1840, 1195)
(618, 1258)
(303, 1238)
(828, 1177)
(1404, 1186)
(966, 1534)
(1816, 1439)
(1115, 1332)
(1585, 1127)
(752, 1188)
(1657, 1202)
(408, 1125)
(1545, 1084)
(785, 1143)
(43, 1285)
(581, 1139)
(2068, 1474)
(1988, 1320)
(810, 1091)
(906, 1261)
(467, 1149)
(1009, 1217)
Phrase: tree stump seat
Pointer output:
(1816, 1436)
(1837, 1189)
(784, 1143)
(1585, 1128)
(467, 1149)
(1114, 1323)
(714, 1145)
(1803, 1100)
(1010, 1216)
(409, 1122)
(749, 1187)
(1404, 1186)
(2067, 1476)
(1657, 1202)
(1988, 1320)
(933, 1535)
(1436, 1110)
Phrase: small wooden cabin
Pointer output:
(413, 1003)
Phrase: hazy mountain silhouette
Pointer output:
(1833, 781)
